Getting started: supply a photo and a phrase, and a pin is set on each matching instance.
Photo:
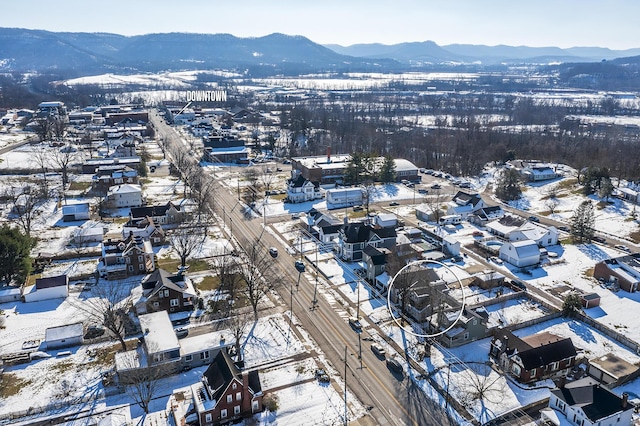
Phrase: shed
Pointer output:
(64, 336)
(73, 212)
(47, 288)
(589, 300)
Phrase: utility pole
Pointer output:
(314, 302)
(346, 420)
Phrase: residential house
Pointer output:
(225, 393)
(301, 190)
(470, 325)
(539, 173)
(504, 226)
(465, 204)
(451, 245)
(127, 257)
(534, 357)
(163, 291)
(584, 403)
(486, 215)
(126, 195)
(47, 288)
(375, 260)
(75, 212)
(344, 197)
(422, 290)
(385, 220)
(113, 175)
(623, 271)
(611, 370)
(163, 214)
(543, 236)
(201, 349)
(352, 238)
(145, 229)
(629, 194)
(91, 165)
(160, 349)
(520, 253)
(64, 336)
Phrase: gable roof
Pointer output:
(222, 371)
(161, 210)
(161, 278)
(465, 198)
(355, 232)
(597, 402)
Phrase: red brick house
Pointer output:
(534, 357)
(226, 393)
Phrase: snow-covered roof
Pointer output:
(202, 342)
(525, 248)
(158, 332)
(64, 332)
(126, 188)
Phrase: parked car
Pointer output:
(478, 234)
(457, 258)
(357, 208)
(394, 203)
(600, 240)
(273, 252)
(355, 324)
(181, 332)
(422, 191)
(623, 248)
(300, 266)
(394, 365)
(533, 219)
(564, 228)
(436, 186)
(378, 350)
(322, 376)
(496, 260)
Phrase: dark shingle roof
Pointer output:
(597, 402)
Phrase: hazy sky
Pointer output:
(562, 23)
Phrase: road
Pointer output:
(394, 400)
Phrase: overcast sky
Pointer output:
(563, 23)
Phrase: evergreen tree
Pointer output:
(355, 169)
(508, 185)
(15, 263)
(606, 188)
(388, 170)
(582, 222)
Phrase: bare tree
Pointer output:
(202, 187)
(238, 325)
(229, 273)
(108, 306)
(42, 160)
(552, 204)
(62, 159)
(481, 383)
(368, 190)
(267, 177)
(142, 384)
(257, 274)
(433, 201)
(44, 128)
(251, 190)
(26, 203)
(187, 238)
(59, 125)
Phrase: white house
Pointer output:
(343, 197)
(126, 195)
(542, 235)
(300, 190)
(538, 173)
(465, 204)
(73, 212)
(587, 403)
(47, 288)
(520, 253)
(64, 336)
(451, 245)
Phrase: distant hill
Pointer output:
(77, 54)
(37, 50)
(428, 51)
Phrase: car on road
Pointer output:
(564, 228)
(600, 240)
(300, 266)
(436, 186)
(478, 234)
(622, 248)
(273, 252)
(378, 350)
(533, 219)
(181, 332)
(357, 208)
(394, 203)
(355, 324)
(422, 191)
(394, 365)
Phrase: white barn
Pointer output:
(520, 253)
(64, 336)
(47, 288)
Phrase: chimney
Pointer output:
(625, 400)
(562, 381)
(328, 154)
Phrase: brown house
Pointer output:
(623, 272)
(162, 291)
(226, 393)
(125, 258)
(532, 358)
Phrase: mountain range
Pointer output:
(83, 53)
